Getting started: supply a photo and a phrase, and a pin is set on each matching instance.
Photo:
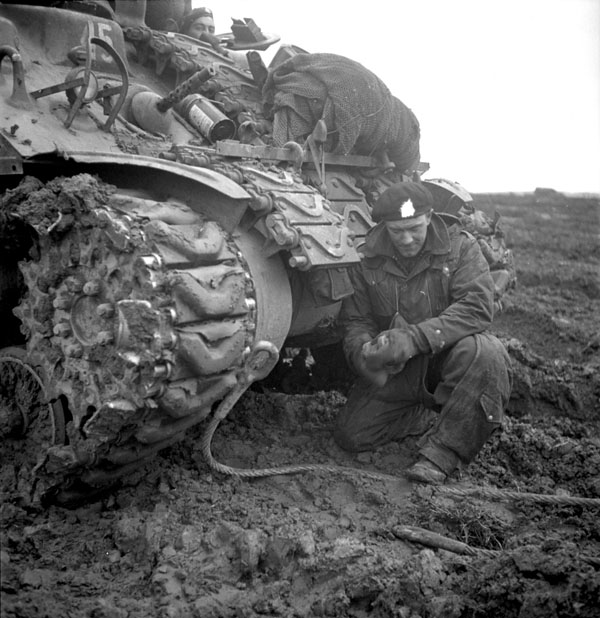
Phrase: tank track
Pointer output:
(140, 316)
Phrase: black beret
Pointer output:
(403, 200)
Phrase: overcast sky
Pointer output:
(507, 92)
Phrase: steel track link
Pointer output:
(141, 314)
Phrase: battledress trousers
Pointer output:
(454, 392)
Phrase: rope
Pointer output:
(254, 366)
(497, 494)
(279, 470)
(253, 370)
(501, 494)
(413, 534)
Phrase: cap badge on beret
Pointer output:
(403, 200)
(407, 209)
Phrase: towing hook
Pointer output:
(19, 97)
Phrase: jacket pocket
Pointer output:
(492, 407)
(438, 289)
(385, 293)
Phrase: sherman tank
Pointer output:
(173, 215)
(167, 228)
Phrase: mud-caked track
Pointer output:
(137, 315)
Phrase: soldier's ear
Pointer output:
(428, 215)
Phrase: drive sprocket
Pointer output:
(141, 314)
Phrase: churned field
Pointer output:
(516, 535)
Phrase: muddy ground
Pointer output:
(178, 540)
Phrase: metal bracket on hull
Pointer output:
(10, 160)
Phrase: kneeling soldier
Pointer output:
(415, 331)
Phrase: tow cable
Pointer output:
(253, 371)
(411, 534)
(482, 492)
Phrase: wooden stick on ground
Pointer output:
(415, 534)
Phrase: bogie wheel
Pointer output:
(29, 423)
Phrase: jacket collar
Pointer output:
(437, 241)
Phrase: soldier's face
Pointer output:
(200, 25)
(408, 236)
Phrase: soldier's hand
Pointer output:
(391, 349)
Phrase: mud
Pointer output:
(178, 540)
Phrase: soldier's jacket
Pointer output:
(447, 295)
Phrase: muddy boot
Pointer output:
(425, 471)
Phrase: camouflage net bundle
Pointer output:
(361, 114)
